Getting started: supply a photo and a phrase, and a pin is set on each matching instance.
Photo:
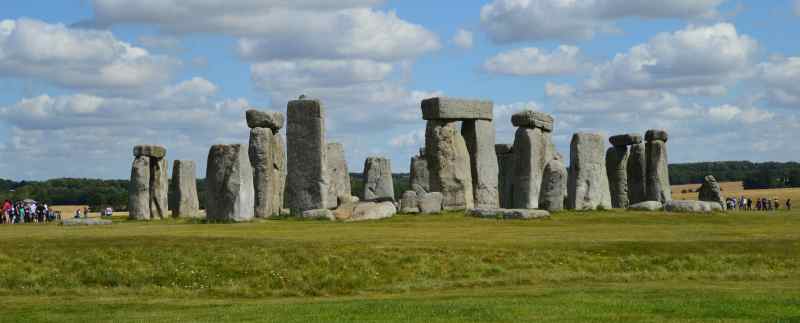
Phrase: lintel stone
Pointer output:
(442, 108)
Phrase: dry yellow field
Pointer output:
(736, 189)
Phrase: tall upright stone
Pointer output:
(419, 177)
(337, 170)
(637, 174)
(617, 168)
(658, 188)
(139, 189)
(278, 184)
(449, 164)
(505, 176)
(378, 183)
(479, 136)
(260, 154)
(533, 149)
(307, 179)
(588, 182)
(554, 186)
(159, 189)
(185, 203)
(229, 180)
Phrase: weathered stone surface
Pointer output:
(617, 171)
(505, 176)
(184, 184)
(278, 177)
(456, 109)
(508, 214)
(339, 183)
(264, 119)
(658, 188)
(139, 189)
(345, 211)
(588, 182)
(348, 199)
(647, 206)
(319, 214)
(229, 178)
(430, 203)
(656, 134)
(373, 211)
(84, 222)
(307, 180)
(419, 177)
(625, 140)
(159, 189)
(533, 119)
(378, 182)
(260, 153)
(692, 206)
(532, 150)
(637, 174)
(710, 191)
(554, 186)
(154, 151)
(449, 164)
(408, 202)
(479, 137)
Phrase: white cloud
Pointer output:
(463, 39)
(694, 57)
(558, 90)
(533, 61)
(781, 76)
(77, 58)
(531, 20)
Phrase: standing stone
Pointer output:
(139, 189)
(378, 183)
(637, 174)
(229, 177)
(260, 153)
(307, 179)
(554, 184)
(710, 191)
(658, 188)
(419, 178)
(588, 182)
(184, 183)
(278, 182)
(337, 170)
(479, 136)
(430, 203)
(159, 188)
(449, 164)
(617, 171)
(532, 150)
(409, 203)
(505, 176)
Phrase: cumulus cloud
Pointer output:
(692, 58)
(509, 21)
(78, 58)
(781, 76)
(533, 61)
(463, 39)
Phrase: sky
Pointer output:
(83, 81)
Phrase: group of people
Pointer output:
(759, 204)
(27, 212)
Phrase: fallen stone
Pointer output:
(554, 186)
(84, 221)
(264, 119)
(307, 179)
(533, 119)
(588, 182)
(479, 137)
(505, 174)
(656, 134)
(185, 203)
(337, 170)
(159, 189)
(154, 151)
(456, 109)
(508, 214)
(344, 199)
(532, 150)
(647, 206)
(637, 174)
(373, 211)
(692, 207)
(617, 171)
(449, 164)
(229, 178)
(319, 214)
(408, 202)
(430, 203)
(710, 191)
(139, 189)
(625, 140)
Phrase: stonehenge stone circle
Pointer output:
(378, 183)
(637, 174)
(139, 189)
(449, 164)
(710, 191)
(307, 179)
(532, 150)
(505, 174)
(533, 119)
(479, 136)
(588, 182)
(229, 178)
(339, 183)
(658, 188)
(184, 183)
(419, 177)
(264, 119)
(456, 109)
(617, 171)
(554, 186)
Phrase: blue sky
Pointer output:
(82, 81)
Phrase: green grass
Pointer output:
(599, 266)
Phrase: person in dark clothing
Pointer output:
(789, 204)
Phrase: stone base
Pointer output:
(692, 207)
(508, 214)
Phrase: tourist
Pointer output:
(78, 213)
(108, 212)
(777, 205)
(789, 204)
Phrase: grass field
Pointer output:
(599, 266)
